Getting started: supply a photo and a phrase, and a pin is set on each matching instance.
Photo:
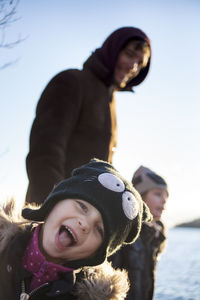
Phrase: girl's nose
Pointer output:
(83, 225)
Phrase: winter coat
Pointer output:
(75, 121)
(102, 282)
(140, 259)
(76, 118)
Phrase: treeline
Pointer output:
(192, 224)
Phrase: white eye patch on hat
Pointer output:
(130, 205)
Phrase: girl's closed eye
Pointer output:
(158, 194)
(129, 53)
(82, 206)
(100, 230)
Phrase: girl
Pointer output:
(85, 219)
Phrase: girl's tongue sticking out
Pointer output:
(66, 237)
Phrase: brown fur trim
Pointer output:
(102, 282)
(11, 223)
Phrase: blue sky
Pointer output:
(159, 125)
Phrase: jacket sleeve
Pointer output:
(163, 233)
(56, 115)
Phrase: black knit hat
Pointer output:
(120, 205)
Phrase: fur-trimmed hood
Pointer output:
(95, 283)
(10, 224)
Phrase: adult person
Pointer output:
(76, 117)
(140, 259)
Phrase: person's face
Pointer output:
(156, 201)
(129, 64)
(73, 230)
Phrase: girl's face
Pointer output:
(73, 230)
(156, 201)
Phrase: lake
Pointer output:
(178, 270)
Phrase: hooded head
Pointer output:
(109, 52)
(121, 207)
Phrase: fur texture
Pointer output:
(103, 282)
(10, 223)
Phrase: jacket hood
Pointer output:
(97, 283)
(110, 49)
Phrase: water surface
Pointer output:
(178, 272)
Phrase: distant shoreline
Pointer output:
(191, 224)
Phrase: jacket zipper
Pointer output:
(24, 295)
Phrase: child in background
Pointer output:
(140, 258)
(85, 219)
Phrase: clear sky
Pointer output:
(159, 125)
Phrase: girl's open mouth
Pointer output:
(65, 237)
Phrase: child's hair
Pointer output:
(121, 207)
